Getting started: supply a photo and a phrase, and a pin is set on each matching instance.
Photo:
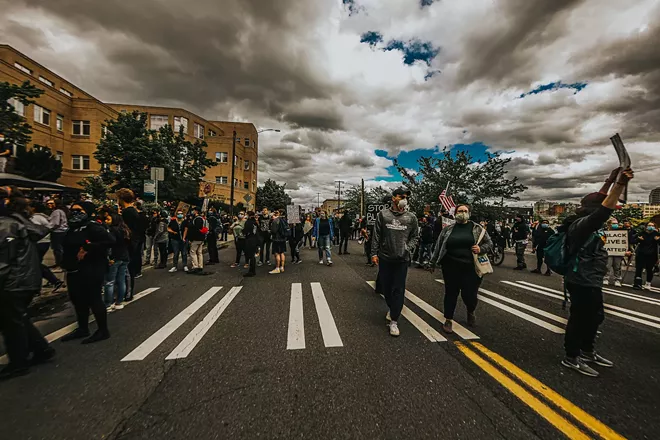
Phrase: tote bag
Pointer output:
(481, 262)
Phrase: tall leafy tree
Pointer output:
(628, 213)
(371, 196)
(272, 196)
(38, 163)
(480, 184)
(14, 126)
(95, 187)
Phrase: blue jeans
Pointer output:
(425, 252)
(323, 242)
(179, 248)
(116, 274)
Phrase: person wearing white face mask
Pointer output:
(239, 238)
(396, 233)
(453, 251)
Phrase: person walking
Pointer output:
(454, 252)
(38, 217)
(215, 230)
(279, 232)
(150, 243)
(520, 235)
(175, 230)
(20, 281)
(614, 275)
(585, 245)
(58, 222)
(308, 229)
(344, 232)
(161, 239)
(265, 239)
(85, 260)
(335, 222)
(115, 276)
(239, 239)
(196, 233)
(323, 235)
(251, 233)
(132, 218)
(426, 242)
(646, 256)
(539, 239)
(396, 232)
(225, 226)
(295, 241)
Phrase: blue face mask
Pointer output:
(650, 228)
(615, 226)
(544, 226)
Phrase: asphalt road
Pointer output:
(237, 367)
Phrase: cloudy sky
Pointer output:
(353, 84)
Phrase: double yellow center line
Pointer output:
(559, 421)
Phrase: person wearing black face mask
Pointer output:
(539, 240)
(519, 234)
(85, 260)
(585, 244)
(646, 256)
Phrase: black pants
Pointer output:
(587, 314)
(367, 250)
(134, 265)
(46, 273)
(307, 237)
(240, 248)
(393, 284)
(56, 244)
(295, 250)
(520, 254)
(644, 262)
(212, 245)
(540, 256)
(20, 335)
(162, 253)
(85, 291)
(336, 237)
(460, 278)
(250, 245)
(265, 242)
(343, 241)
(224, 233)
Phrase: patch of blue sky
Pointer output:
(578, 86)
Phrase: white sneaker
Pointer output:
(647, 285)
(110, 309)
(606, 282)
(281, 270)
(617, 283)
(185, 268)
(388, 317)
(320, 261)
(172, 270)
(118, 306)
(329, 262)
(394, 329)
(275, 271)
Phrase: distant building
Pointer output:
(650, 210)
(654, 197)
(330, 205)
(541, 207)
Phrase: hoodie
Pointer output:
(395, 234)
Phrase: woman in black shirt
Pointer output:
(118, 261)
(646, 255)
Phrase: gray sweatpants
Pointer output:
(614, 269)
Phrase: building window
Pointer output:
(22, 68)
(41, 115)
(238, 140)
(80, 162)
(235, 161)
(253, 186)
(247, 142)
(59, 155)
(254, 166)
(212, 133)
(246, 165)
(221, 157)
(104, 130)
(236, 183)
(158, 121)
(66, 92)
(60, 123)
(81, 128)
(246, 185)
(198, 131)
(19, 107)
(221, 180)
(46, 81)
(180, 121)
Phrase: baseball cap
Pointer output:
(401, 191)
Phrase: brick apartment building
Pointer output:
(70, 122)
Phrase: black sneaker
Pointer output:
(76, 334)
(43, 357)
(58, 286)
(96, 337)
(536, 271)
(10, 371)
(518, 268)
(471, 319)
(595, 358)
(580, 366)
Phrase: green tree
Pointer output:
(37, 163)
(477, 183)
(14, 126)
(272, 196)
(95, 187)
(371, 196)
(628, 213)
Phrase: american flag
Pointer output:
(447, 201)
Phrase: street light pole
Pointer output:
(233, 174)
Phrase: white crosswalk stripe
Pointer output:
(439, 316)
(296, 335)
(630, 295)
(651, 289)
(296, 330)
(329, 330)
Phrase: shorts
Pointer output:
(279, 247)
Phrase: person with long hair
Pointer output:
(161, 238)
(646, 255)
(118, 260)
(239, 239)
(39, 217)
(251, 233)
(176, 229)
(132, 218)
(58, 221)
(85, 260)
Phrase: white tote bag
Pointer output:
(481, 262)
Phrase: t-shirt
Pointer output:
(132, 219)
(460, 242)
(324, 227)
(178, 229)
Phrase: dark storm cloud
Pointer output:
(294, 137)
(205, 55)
(520, 163)
(320, 116)
(286, 159)
(35, 38)
(394, 140)
(359, 161)
(507, 51)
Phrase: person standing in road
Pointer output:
(251, 233)
(215, 229)
(646, 256)
(585, 243)
(335, 232)
(39, 217)
(176, 228)
(613, 261)
(131, 216)
(196, 233)
(265, 239)
(344, 232)
(454, 251)
(279, 232)
(323, 234)
(426, 242)
(20, 281)
(85, 260)
(226, 223)
(396, 232)
(161, 239)
(539, 239)
(308, 228)
(150, 244)
(295, 241)
(118, 261)
(239, 239)
(58, 221)
(520, 234)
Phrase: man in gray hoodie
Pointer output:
(395, 233)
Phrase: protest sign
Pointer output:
(183, 207)
(624, 160)
(617, 243)
(293, 213)
(372, 211)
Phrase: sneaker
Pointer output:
(617, 284)
(536, 271)
(518, 268)
(119, 306)
(471, 319)
(96, 337)
(340, 253)
(388, 317)
(647, 286)
(394, 329)
(246, 266)
(76, 334)
(606, 282)
(58, 286)
(172, 270)
(185, 268)
(269, 263)
(275, 271)
(548, 273)
(580, 366)
(347, 253)
(595, 358)
(321, 262)
(637, 287)
(299, 261)
(138, 276)
(447, 327)
(259, 263)
(281, 270)
(110, 308)
(233, 265)
(43, 356)
(329, 262)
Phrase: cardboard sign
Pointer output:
(293, 213)
(373, 210)
(617, 243)
(205, 205)
(183, 207)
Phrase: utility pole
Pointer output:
(233, 174)
(362, 199)
(339, 182)
(318, 200)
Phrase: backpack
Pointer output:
(556, 254)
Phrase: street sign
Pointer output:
(372, 211)
(247, 198)
(149, 188)
(158, 174)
